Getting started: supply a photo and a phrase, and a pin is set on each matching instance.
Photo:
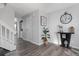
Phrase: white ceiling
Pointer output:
(24, 8)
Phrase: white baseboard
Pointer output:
(36, 43)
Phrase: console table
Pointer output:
(65, 38)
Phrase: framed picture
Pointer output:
(43, 20)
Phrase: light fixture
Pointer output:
(2, 5)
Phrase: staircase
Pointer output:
(3, 51)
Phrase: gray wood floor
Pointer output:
(25, 48)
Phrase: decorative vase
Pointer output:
(46, 43)
(71, 29)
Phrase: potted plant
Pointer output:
(45, 36)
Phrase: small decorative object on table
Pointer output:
(71, 29)
(60, 28)
(45, 36)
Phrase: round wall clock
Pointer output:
(65, 18)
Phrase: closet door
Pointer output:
(27, 28)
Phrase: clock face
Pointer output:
(66, 18)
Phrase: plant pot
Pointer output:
(45, 43)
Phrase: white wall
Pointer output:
(31, 27)
(54, 20)
(7, 16)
